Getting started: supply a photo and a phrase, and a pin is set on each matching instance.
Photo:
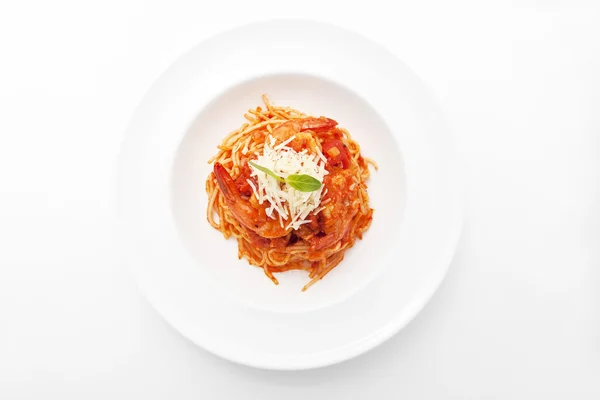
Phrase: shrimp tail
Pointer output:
(321, 242)
(244, 212)
(318, 124)
(226, 183)
(318, 243)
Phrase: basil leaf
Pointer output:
(303, 183)
(267, 171)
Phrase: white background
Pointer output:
(518, 316)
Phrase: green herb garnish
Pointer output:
(302, 183)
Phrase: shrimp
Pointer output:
(340, 208)
(253, 218)
(297, 128)
(334, 220)
(264, 243)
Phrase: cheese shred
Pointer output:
(285, 202)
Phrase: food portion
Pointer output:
(291, 189)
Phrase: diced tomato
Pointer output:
(336, 153)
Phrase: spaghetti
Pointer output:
(257, 210)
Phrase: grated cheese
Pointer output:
(285, 202)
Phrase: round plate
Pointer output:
(192, 275)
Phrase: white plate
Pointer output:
(193, 277)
